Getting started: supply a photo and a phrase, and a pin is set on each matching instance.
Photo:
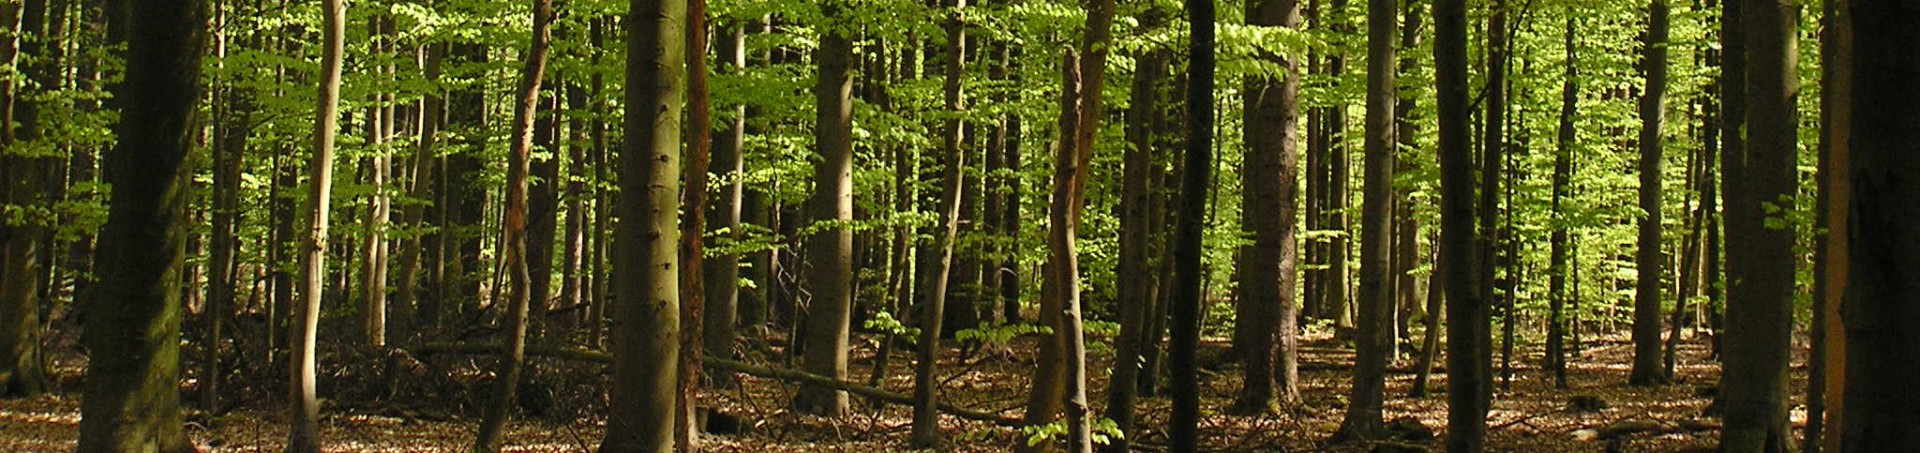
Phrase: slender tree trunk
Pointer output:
(647, 324)
(1468, 387)
(830, 252)
(518, 267)
(1761, 267)
(543, 203)
(373, 271)
(926, 419)
(1648, 258)
(1826, 375)
(693, 227)
(1430, 341)
(1374, 328)
(1186, 303)
(1061, 378)
(723, 272)
(1882, 335)
(1265, 336)
(1562, 176)
(304, 431)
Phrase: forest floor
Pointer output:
(1529, 416)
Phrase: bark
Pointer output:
(132, 399)
(1374, 328)
(22, 363)
(646, 326)
(543, 202)
(1060, 380)
(304, 431)
(926, 420)
(373, 274)
(1493, 145)
(1562, 175)
(1882, 322)
(1468, 361)
(1136, 222)
(1826, 377)
(1761, 267)
(1430, 341)
(518, 265)
(693, 227)
(1265, 335)
(408, 295)
(723, 272)
(1188, 275)
(830, 252)
(1648, 258)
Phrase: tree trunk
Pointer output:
(132, 398)
(373, 272)
(646, 327)
(1468, 387)
(1183, 435)
(926, 420)
(518, 267)
(1430, 341)
(22, 365)
(830, 252)
(723, 272)
(1648, 258)
(1374, 329)
(1265, 336)
(1826, 375)
(304, 431)
(1761, 267)
(543, 203)
(1882, 335)
(1562, 176)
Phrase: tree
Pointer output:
(1265, 333)
(304, 432)
(830, 252)
(1648, 259)
(132, 402)
(1374, 337)
(519, 294)
(646, 325)
(22, 365)
(1562, 175)
(1137, 244)
(1882, 338)
(1468, 360)
(723, 272)
(1061, 378)
(1760, 269)
(1827, 355)
(926, 421)
(1185, 304)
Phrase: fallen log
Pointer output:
(877, 394)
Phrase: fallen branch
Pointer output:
(741, 367)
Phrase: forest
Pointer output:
(650, 226)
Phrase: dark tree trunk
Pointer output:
(1562, 175)
(1468, 362)
(933, 303)
(132, 399)
(1136, 299)
(1186, 302)
(1374, 326)
(693, 227)
(1648, 258)
(22, 364)
(1882, 321)
(1761, 267)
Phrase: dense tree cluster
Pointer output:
(219, 196)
